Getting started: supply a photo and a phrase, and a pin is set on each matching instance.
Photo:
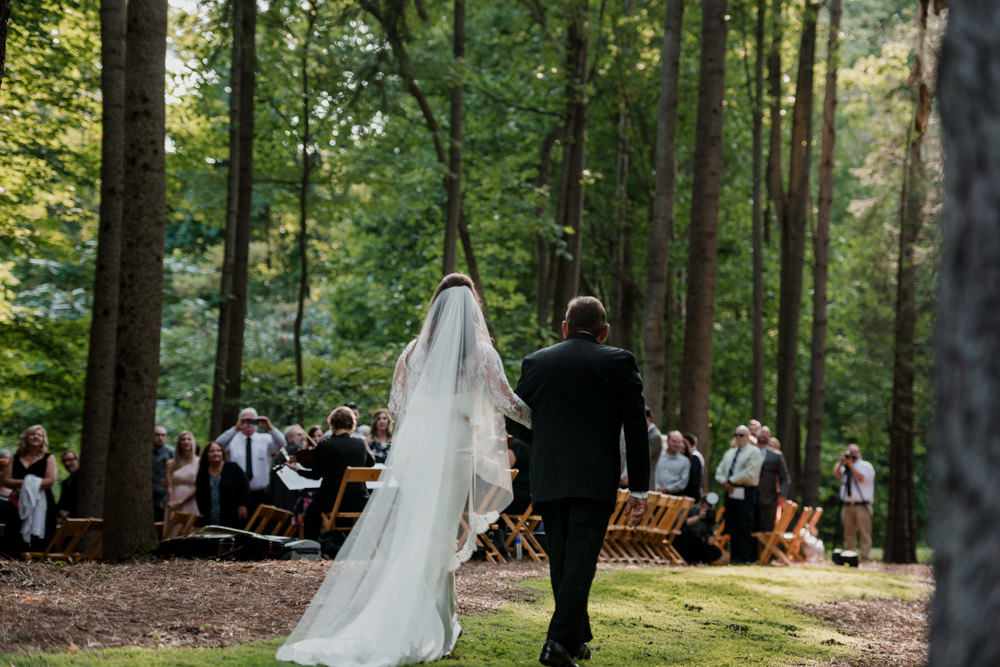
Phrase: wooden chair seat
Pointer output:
(179, 524)
(791, 542)
(721, 538)
(352, 475)
(524, 525)
(271, 520)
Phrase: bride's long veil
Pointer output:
(445, 479)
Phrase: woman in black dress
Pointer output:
(32, 458)
(221, 489)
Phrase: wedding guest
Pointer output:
(221, 489)
(315, 433)
(67, 487)
(162, 452)
(251, 444)
(333, 456)
(739, 473)
(182, 476)
(6, 508)
(772, 488)
(696, 543)
(32, 474)
(381, 438)
(519, 454)
(655, 446)
(357, 419)
(281, 495)
(674, 467)
(693, 489)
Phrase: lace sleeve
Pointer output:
(397, 395)
(503, 396)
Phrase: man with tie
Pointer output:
(739, 473)
(250, 444)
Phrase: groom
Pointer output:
(581, 394)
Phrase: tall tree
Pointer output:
(235, 266)
(100, 384)
(821, 251)
(4, 20)
(567, 265)
(661, 228)
(775, 187)
(965, 533)
(901, 533)
(128, 510)
(757, 223)
(453, 209)
(704, 231)
(793, 213)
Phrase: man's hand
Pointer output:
(264, 422)
(728, 487)
(635, 507)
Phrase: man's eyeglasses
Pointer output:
(739, 435)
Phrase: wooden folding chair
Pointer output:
(483, 540)
(63, 544)
(768, 541)
(351, 476)
(178, 524)
(271, 520)
(616, 521)
(721, 538)
(790, 542)
(93, 542)
(524, 525)
(670, 527)
(626, 540)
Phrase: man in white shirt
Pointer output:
(250, 444)
(739, 473)
(857, 486)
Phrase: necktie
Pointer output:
(249, 460)
(732, 466)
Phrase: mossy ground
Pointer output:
(691, 616)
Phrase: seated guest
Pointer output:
(182, 476)
(67, 487)
(251, 444)
(674, 468)
(519, 454)
(693, 489)
(333, 456)
(7, 510)
(221, 489)
(696, 543)
(32, 474)
(381, 436)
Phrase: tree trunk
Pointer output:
(453, 212)
(233, 292)
(793, 244)
(661, 227)
(704, 234)
(128, 507)
(304, 183)
(574, 159)
(901, 533)
(757, 233)
(963, 629)
(100, 385)
(821, 251)
(544, 251)
(775, 189)
(4, 19)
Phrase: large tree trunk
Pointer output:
(305, 141)
(775, 189)
(128, 506)
(544, 293)
(704, 234)
(661, 227)
(574, 159)
(4, 19)
(793, 245)
(757, 233)
(966, 439)
(901, 531)
(453, 210)
(235, 269)
(821, 252)
(623, 286)
(100, 386)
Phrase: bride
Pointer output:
(389, 598)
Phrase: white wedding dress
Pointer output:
(389, 598)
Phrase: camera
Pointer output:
(255, 421)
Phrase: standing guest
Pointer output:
(655, 446)
(333, 456)
(67, 487)
(281, 495)
(774, 443)
(754, 427)
(772, 489)
(381, 438)
(739, 473)
(693, 489)
(162, 452)
(857, 488)
(315, 433)
(32, 474)
(674, 467)
(357, 433)
(7, 510)
(221, 489)
(251, 444)
(182, 476)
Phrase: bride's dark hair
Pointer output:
(468, 338)
(456, 280)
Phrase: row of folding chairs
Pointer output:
(651, 540)
(784, 542)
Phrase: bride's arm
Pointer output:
(503, 396)
(397, 395)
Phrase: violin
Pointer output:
(306, 455)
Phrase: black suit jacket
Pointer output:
(581, 394)
(774, 479)
(333, 456)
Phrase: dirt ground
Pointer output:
(56, 607)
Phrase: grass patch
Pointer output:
(692, 616)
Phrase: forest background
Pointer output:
(350, 206)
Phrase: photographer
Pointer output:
(250, 444)
(696, 543)
(857, 486)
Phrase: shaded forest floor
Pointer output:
(201, 603)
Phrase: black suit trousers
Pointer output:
(739, 525)
(574, 533)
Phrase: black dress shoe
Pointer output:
(555, 655)
(582, 652)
